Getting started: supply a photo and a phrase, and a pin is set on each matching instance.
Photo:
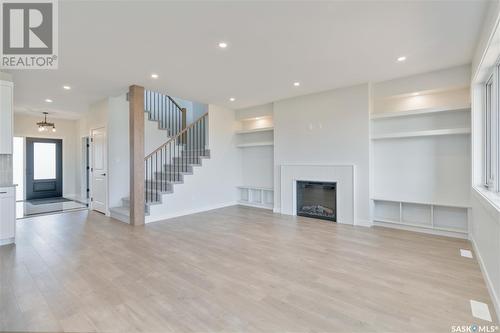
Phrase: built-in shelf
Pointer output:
(428, 217)
(255, 144)
(435, 203)
(255, 130)
(418, 112)
(413, 134)
(415, 225)
(255, 196)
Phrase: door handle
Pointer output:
(3, 192)
(103, 174)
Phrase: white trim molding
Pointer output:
(342, 175)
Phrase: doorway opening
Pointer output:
(38, 173)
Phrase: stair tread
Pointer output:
(120, 210)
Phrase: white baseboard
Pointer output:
(248, 204)
(489, 284)
(150, 219)
(364, 223)
(421, 230)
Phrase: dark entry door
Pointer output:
(44, 176)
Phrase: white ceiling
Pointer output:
(106, 46)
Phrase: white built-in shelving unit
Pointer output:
(261, 197)
(255, 130)
(251, 136)
(255, 144)
(418, 112)
(421, 164)
(412, 134)
(255, 137)
(446, 219)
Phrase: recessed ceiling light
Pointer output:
(66, 87)
(48, 100)
(415, 94)
(296, 84)
(401, 59)
(232, 99)
(222, 45)
(154, 76)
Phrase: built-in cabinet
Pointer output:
(7, 215)
(420, 162)
(6, 117)
(256, 196)
(255, 138)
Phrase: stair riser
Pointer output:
(126, 204)
(170, 168)
(168, 177)
(191, 161)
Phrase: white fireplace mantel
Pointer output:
(343, 175)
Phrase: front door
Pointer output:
(99, 169)
(44, 174)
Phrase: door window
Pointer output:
(44, 159)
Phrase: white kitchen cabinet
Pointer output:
(6, 116)
(7, 215)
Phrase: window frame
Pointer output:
(491, 130)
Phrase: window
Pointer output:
(491, 130)
(44, 158)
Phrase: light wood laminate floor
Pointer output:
(229, 270)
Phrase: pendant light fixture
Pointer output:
(44, 126)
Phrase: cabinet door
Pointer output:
(6, 117)
(7, 217)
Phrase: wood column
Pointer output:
(136, 134)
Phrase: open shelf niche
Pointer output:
(255, 137)
(255, 132)
(435, 218)
(420, 157)
(256, 196)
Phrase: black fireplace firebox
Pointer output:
(317, 200)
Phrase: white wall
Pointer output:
(194, 109)
(489, 25)
(96, 117)
(113, 114)
(450, 78)
(326, 128)
(485, 229)
(25, 126)
(257, 164)
(212, 185)
(485, 237)
(264, 110)
(118, 150)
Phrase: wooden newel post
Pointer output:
(136, 133)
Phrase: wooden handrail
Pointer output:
(175, 103)
(177, 136)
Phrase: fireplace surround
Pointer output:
(317, 200)
(341, 174)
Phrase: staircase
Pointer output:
(168, 164)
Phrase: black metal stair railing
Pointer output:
(163, 109)
(166, 165)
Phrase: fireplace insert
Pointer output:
(317, 200)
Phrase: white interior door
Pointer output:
(99, 170)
